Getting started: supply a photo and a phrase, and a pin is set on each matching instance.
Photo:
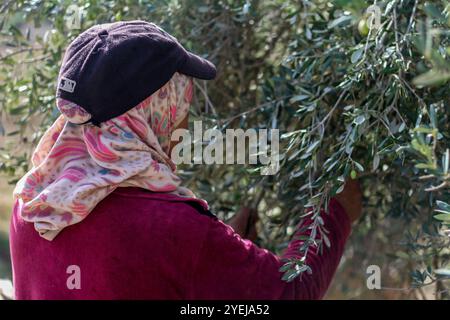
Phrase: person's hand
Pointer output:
(244, 223)
(351, 199)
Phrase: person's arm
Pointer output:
(244, 223)
(230, 267)
(323, 265)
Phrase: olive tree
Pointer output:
(358, 90)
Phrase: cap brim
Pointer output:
(198, 67)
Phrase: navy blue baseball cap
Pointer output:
(110, 68)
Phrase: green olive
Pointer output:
(363, 28)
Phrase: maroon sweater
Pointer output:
(141, 245)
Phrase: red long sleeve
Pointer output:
(143, 245)
(238, 269)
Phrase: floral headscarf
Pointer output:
(76, 166)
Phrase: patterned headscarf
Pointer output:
(76, 166)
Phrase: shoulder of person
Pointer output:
(162, 202)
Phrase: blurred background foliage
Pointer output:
(351, 99)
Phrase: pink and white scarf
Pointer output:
(76, 166)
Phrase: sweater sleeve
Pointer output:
(229, 267)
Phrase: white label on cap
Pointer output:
(67, 85)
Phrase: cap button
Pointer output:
(102, 33)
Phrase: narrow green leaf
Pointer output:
(360, 120)
(356, 55)
(442, 217)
